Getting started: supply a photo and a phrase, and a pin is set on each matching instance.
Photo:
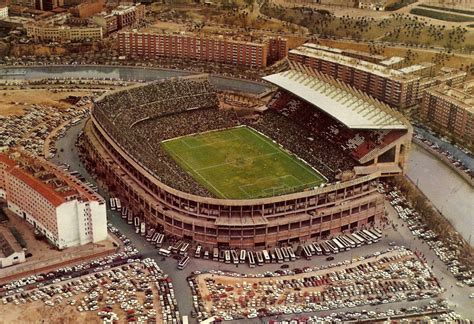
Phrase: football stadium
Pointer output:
(305, 167)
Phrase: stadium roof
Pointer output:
(349, 106)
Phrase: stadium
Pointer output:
(304, 167)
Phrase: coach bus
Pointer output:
(325, 248)
(340, 247)
(243, 256)
(164, 252)
(130, 218)
(306, 252)
(376, 232)
(286, 256)
(371, 235)
(349, 240)
(112, 203)
(358, 241)
(318, 249)
(118, 205)
(279, 255)
(311, 249)
(259, 257)
(159, 241)
(332, 246)
(155, 237)
(183, 262)
(184, 249)
(235, 256)
(215, 254)
(367, 238)
(136, 222)
(124, 212)
(251, 259)
(359, 238)
(197, 253)
(273, 257)
(291, 253)
(266, 256)
(227, 256)
(149, 234)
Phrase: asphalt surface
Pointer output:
(457, 297)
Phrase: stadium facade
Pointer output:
(351, 200)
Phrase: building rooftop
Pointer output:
(348, 105)
(461, 95)
(392, 61)
(56, 185)
(8, 243)
(380, 70)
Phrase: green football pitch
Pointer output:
(240, 163)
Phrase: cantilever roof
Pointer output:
(349, 106)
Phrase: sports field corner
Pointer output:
(241, 163)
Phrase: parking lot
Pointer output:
(378, 279)
(135, 291)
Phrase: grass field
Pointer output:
(440, 15)
(240, 163)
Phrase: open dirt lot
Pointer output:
(12, 102)
(44, 254)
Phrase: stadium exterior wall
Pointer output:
(254, 223)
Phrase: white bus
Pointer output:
(136, 222)
(150, 234)
(291, 253)
(350, 240)
(359, 238)
(183, 262)
(142, 228)
(367, 238)
(376, 232)
(286, 256)
(227, 256)
(184, 249)
(332, 247)
(325, 248)
(124, 212)
(259, 257)
(118, 205)
(243, 256)
(235, 257)
(215, 254)
(338, 244)
(318, 249)
(371, 235)
(112, 203)
(279, 255)
(155, 237)
(185, 320)
(159, 241)
(197, 253)
(266, 256)
(311, 249)
(129, 218)
(306, 252)
(251, 259)
(164, 252)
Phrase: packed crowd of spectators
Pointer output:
(356, 143)
(141, 118)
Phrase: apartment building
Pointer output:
(391, 86)
(3, 12)
(128, 15)
(87, 9)
(40, 31)
(201, 47)
(56, 204)
(451, 110)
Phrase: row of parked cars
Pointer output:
(446, 253)
(393, 276)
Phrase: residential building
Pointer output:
(57, 204)
(62, 33)
(3, 12)
(451, 111)
(129, 15)
(391, 86)
(201, 47)
(87, 9)
(108, 22)
(11, 252)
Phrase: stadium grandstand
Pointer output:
(320, 125)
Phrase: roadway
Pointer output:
(457, 296)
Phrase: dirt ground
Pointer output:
(44, 254)
(13, 102)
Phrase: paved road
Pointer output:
(457, 297)
(451, 194)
